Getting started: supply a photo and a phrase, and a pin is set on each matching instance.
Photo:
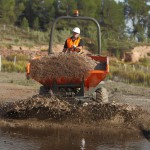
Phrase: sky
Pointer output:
(148, 3)
(119, 0)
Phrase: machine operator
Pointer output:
(74, 43)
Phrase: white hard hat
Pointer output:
(76, 30)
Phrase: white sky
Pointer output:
(148, 3)
(119, 0)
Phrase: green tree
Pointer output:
(65, 7)
(47, 14)
(25, 23)
(44, 10)
(7, 14)
(137, 13)
(88, 8)
(111, 18)
(36, 24)
(19, 8)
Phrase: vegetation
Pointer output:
(123, 25)
(112, 16)
(131, 73)
(11, 35)
(11, 67)
(14, 63)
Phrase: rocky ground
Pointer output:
(20, 100)
(127, 93)
(14, 86)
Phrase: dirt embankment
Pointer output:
(22, 50)
(32, 51)
(134, 55)
(137, 53)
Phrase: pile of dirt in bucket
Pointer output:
(47, 107)
(55, 66)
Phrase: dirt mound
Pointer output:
(137, 53)
(8, 52)
(34, 51)
(20, 50)
(46, 107)
(37, 106)
(61, 65)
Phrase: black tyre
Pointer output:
(44, 90)
(101, 95)
(28, 77)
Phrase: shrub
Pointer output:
(129, 75)
(8, 66)
(19, 57)
(25, 23)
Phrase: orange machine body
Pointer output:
(92, 80)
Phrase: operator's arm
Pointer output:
(64, 50)
(80, 47)
(65, 47)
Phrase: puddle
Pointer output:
(67, 139)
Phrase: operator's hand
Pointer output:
(76, 49)
(74, 46)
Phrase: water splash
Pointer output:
(82, 147)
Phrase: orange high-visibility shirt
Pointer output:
(71, 43)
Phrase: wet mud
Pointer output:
(127, 111)
(52, 109)
(53, 123)
(70, 138)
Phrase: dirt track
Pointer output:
(131, 94)
(14, 86)
(11, 92)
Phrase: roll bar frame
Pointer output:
(75, 18)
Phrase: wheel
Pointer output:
(28, 76)
(101, 95)
(44, 90)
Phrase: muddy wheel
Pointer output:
(102, 95)
(27, 76)
(44, 90)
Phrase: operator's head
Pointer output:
(76, 32)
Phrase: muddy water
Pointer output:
(69, 139)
